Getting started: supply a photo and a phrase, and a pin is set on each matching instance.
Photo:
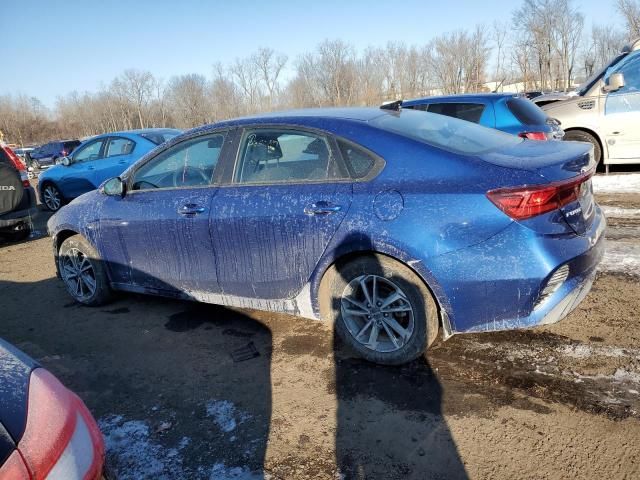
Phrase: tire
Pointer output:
(17, 235)
(418, 319)
(76, 255)
(580, 136)
(51, 197)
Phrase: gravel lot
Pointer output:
(174, 400)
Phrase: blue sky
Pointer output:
(52, 47)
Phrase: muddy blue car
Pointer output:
(392, 224)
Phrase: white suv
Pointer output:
(606, 110)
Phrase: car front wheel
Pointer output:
(83, 272)
(52, 197)
(380, 309)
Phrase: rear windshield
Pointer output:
(471, 112)
(69, 146)
(526, 111)
(160, 136)
(444, 132)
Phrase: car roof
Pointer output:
(492, 97)
(139, 131)
(300, 117)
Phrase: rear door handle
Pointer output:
(191, 209)
(321, 208)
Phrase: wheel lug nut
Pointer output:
(379, 303)
(386, 314)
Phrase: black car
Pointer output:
(17, 197)
(46, 431)
(47, 154)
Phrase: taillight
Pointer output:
(529, 201)
(17, 163)
(61, 440)
(534, 135)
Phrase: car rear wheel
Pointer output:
(18, 233)
(580, 136)
(83, 272)
(380, 309)
(52, 197)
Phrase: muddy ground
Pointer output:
(184, 390)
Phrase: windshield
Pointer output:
(160, 136)
(448, 133)
(590, 82)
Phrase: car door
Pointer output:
(77, 178)
(119, 153)
(622, 114)
(286, 199)
(157, 236)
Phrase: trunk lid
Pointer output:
(567, 165)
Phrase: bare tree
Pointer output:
(270, 66)
(630, 10)
(189, 99)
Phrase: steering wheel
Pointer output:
(190, 176)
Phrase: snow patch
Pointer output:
(132, 454)
(619, 212)
(617, 183)
(621, 257)
(220, 472)
(225, 414)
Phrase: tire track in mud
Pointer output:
(591, 377)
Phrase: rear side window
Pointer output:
(471, 112)
(360, 162)
(445, 132)
(276, 156)
(526, 111)
(119, 146)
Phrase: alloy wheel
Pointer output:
(377, 313)
(78, 274)
(52, 198)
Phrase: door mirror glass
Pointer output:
(614, 82)
(114, 187)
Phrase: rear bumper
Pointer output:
(23, 213)
(498, 284)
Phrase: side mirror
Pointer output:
(614, 82)
(66, 161)
(114, 187)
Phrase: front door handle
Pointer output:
(190, 209)
(321, 208)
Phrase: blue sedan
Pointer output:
(95, 161)
(392, 225)
(508, 112)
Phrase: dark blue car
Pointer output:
(95, 161)
(508, 112)
(392, 225)
(47, 154)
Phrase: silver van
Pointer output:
(605, 110)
